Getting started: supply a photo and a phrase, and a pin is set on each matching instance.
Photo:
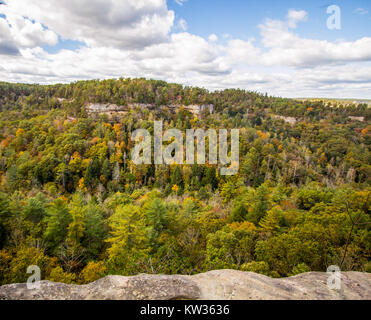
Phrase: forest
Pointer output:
(73, 203)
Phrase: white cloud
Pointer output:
(361, 11)
(17, 32)
(295, 16)
(189, 60)
(213, 38)
(120, 24)
(184, 56)
(180, 2)
(242, 52)
(289, 49)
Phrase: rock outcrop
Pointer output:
(214, 285)
(112, 110)
(360, 119)
(290, 120)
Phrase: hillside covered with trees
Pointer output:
(73, 203)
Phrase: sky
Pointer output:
(283, 48)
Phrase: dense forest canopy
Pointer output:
(73, 203)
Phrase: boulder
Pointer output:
(214, 285)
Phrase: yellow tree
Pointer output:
(129, 242)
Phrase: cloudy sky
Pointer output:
(284, 47)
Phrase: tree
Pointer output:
(273, 221)
(107, 170)
(259, 205)
(34, 210)
(57, 274)
(58, 219)
(92, 174)
(25, 257)
(311, 195)
(95, 231)
(239, 212)
(64, 176)
(231, 247)
(260, 267)
(177, 178)
(210, 178)
(250, 167)
(157, 219)
(92, 272)
(128, 239)
(231, 189)
(77, 227)
(4, 216)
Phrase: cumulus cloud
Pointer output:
(184, 53)
(202, 67)
(183, 56)
(295, 16)
(288, 48)
(240, 51)
(17, 32)
(213, 38)
(110, 23)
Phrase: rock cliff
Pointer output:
(115, 110)
(214, 285)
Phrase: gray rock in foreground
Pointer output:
(214, 285)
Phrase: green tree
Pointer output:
(77, 227)
(95, 231)
(35, 210)
(128, 240)
(260, 205)
(239, 212)
(4, 216)
(157, 219)
(58, 219)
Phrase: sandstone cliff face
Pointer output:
(115, 110)
(214, 285)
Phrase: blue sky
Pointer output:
(281, 47)
(240, 18)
